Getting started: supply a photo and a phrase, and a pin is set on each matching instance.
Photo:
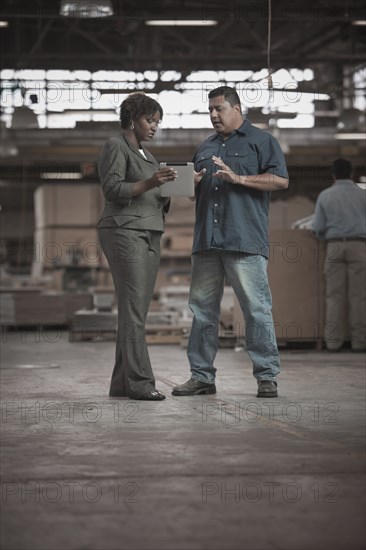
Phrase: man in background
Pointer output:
(340, 220)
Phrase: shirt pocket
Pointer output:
(204, 160)
(238, 162)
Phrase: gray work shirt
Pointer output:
(228, 216)
(340, 211)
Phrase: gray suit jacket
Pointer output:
(120, 165)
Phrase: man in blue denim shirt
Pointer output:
(236, 171)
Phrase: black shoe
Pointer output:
(267, 388)
(194, 387)
(153, 395)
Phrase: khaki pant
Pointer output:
(345, 272)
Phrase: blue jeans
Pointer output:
(247, 274)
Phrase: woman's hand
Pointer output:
(163, 175)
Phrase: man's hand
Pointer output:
(225, 172)
(262, 182)
(198, 176)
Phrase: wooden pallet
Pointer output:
(155, 334)
(164, 338)
(165, 334)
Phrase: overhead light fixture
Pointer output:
(351, 135)
(180, 23)
(61, 176)
(359, 22)
(77, 112)
(84, 9)
(4, 24)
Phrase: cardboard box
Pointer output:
(181, 213)
(58, 247)
(65, 205)
(42, 308)
(282, 214)
(180, 242)
(295, 272)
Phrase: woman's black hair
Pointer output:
(136, 105)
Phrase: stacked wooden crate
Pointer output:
(65, 229)
(24, 307)
(65, 238)
(175, 265)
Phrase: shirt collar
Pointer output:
(244, 129)
(130, 144)
(136, 149)
(343, 182)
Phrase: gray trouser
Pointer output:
(133, 256)
(345, 272)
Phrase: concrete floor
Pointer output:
(222, 472)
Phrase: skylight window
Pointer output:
(60, 98)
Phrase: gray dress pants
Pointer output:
(133, 256)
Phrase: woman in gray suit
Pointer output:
(130, 229)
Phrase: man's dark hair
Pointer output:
(230, 94)
(136, 105)
(342, 169)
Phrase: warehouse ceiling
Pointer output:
(303, 34)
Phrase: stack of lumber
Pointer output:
(33, 306)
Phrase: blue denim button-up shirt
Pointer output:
(228, 216)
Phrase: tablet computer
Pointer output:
(183, 185)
